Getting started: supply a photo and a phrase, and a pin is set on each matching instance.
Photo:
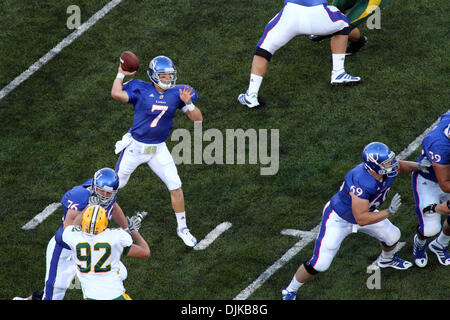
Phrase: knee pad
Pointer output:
(263, 53)
(309, 268)
(345, 32)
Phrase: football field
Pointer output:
(60, 124)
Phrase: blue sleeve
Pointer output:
(358, 186)
(76, 199)
(132, 90)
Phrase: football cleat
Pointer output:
(187, 237)
(354, 47)
(420, 253)
(394, 262)
(19, 298)
(250, 101)
(342, 77)
(441, 252)
(288, 295)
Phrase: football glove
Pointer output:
(135, 222)
(396, 202)
(424, 165)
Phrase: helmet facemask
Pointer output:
(388, 167)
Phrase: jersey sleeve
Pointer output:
(131, 87)
(76, 199)
(439, 153)
(359, 187)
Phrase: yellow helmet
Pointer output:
(94, 220)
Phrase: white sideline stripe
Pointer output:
(307, 237)
(213, 235)
(244, 294)
(53, 52)
(33, 223)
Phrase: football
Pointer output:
(129, 61)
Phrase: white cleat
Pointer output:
(342, 77)
(250, 101)
(187, 237)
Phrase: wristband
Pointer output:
(120, 75)
(188, 107)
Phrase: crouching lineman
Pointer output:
(432, 188)
(354, 208)
(96, 251)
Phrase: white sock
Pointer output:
(255, 83)
(338, 61)
(443, 239)
(387, 254)
(294, 285)
(181, 220)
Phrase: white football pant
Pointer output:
(427, 192)
(334, 229)
(60, 271)
(158, 158)
(294, 20)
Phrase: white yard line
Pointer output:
(53, 52)
(306, 238)
(306, 235)
(213, 235)
(37, 220)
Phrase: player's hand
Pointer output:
(396, 202)
(430, 209)
(126, 73)
(424, 165)
(186, 95)
(135, 222)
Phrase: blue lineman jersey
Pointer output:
(153, 111)
(307, 3)
(364, 186)
(77, 198)
(436, 146)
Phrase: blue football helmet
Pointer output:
(379, 158)
(162, 65)
(105, 180)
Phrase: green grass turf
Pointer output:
(60, 126)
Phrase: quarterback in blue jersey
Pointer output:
(431, 189)
(354, 208)
(155, 104)
(100, 190)
(300, 17)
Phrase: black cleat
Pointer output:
(354, 47)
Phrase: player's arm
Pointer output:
(441, 208)
(73, 218)
(363, 216)
(117, 91)
(139, 249)
(191, 111)
(443, 176)
(118, 216)
(408, 166)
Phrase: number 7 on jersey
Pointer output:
(156, 107)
